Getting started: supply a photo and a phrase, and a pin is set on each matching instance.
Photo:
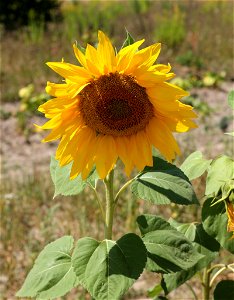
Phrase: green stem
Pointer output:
(99, 203)
(110, 205)
(122, 189)
(217, 274)
(206, 284)
(215, 267)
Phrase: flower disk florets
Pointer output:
(115, 104)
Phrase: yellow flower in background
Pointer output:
(114, 105)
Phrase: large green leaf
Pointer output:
(62, 182)
(52, 275)
(168, 249)
(224, 290)
(214, 219)
(220, 171)
(164, 183)
(195, 165)
(204, 244)
(148, 223)
(188, 229)
(108, 269)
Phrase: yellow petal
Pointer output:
(148, 79)
(92, 60)
(146, 57)
(166, 92)
(84, 150)
(56, 90)
(161, 68)
(106, 53)
(124, 153)
(79, 55)
(106, 155)
(126, 54)
(72, 72)
(160, 136)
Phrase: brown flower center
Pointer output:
(115, 104)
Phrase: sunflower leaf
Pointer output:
(195, 165)
(164, 183)
(220, 171)
(52, 275)
(62, 182)
(215, 220)
(169, 250)
(108, 269)
(203, 243)
(128, 41)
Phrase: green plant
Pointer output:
(107, 268)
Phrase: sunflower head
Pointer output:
(114, 105)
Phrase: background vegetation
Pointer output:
(197, 39)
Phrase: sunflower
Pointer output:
(114, 105)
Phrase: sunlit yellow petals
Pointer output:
(126, 54)
(105, 155)
(144, 148)
(86, 60)
(184, 125)
(154, 53)
(166, 92)
(161, 68)
(54, 122)
(170, 76)
(162, 139)
(148, 79)
(122, 145)
(114, 105)
(146, 57)
(92, 61)
(93, 69)
(81, 145)
(56, 105)
(75, 89)
(69, 133)
(82, 156)
(56, 90)
(72, 72)
(139, 152)
(79, 55)
(54, 135)
(132, 146)
(106, 53)
(179, 125)
(61, 147)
